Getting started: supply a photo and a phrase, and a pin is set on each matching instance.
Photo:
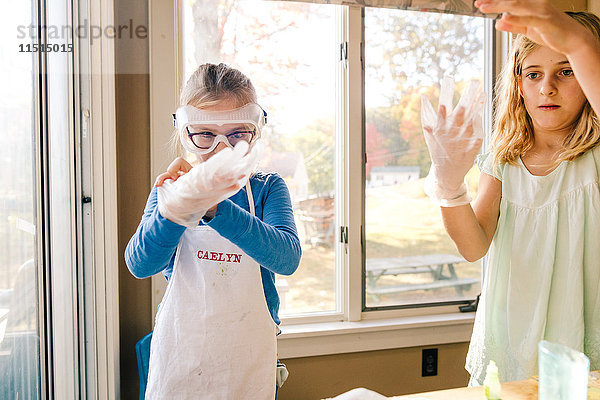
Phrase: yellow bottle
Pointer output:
(491, 384)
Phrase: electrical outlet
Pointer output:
(429, 362)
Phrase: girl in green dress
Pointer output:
(537, 211)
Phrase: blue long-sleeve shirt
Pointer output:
(269, 237)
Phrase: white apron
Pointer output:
(214, 337)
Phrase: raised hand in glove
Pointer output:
(186, 200)
(453, 137)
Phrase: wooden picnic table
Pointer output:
(433, 264)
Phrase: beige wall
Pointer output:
(133, 158)
(571, 5)
(594, 6)
(390, 372)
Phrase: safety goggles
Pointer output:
(201, 131)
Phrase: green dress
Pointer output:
(542, 279)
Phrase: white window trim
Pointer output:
(106, 254)
(347, 329)
(97, 154)
(61, 380)
(317, 339)
(166, 74)
(354, 210)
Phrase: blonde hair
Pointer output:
(211, 84)
(513, 128)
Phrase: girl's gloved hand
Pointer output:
(177, 168)
(539, 20)
(453, 138)
(186, 200)
(281, 374)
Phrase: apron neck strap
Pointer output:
(250, 197)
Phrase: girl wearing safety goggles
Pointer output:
(219, 232)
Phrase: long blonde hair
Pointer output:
(211, 84)
(513, 128)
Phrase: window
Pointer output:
(410, 259)
(288, 51)
(307, 62)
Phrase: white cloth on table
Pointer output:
(359, 394)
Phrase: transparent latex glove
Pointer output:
(453, 138)
(186, 200)
(282, 374)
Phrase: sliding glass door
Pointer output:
(39, 327)
(21, 323)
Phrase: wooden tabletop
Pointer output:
(520, 390)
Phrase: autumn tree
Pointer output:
(377, 154)
(230, 31)
(407, 55)
(419, 48)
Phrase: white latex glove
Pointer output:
(186, 200)
(282, 374)
(453, 138)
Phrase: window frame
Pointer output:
(57, 219)
(353, 327)
(95, 188)
(77, 210)
(490, 71)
